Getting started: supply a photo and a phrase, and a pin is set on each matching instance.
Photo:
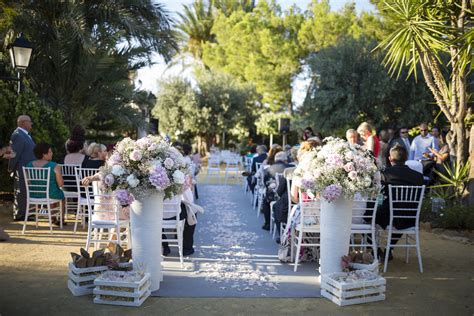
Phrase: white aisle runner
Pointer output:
(233, 256)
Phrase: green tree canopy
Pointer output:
(353, 87)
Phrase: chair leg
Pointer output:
(36, 215)
(26, 217)
(407, 252)
(61, 215)
(88, 241)
(298, 249)
(292, 245)
(78, 213)
(418, 252)
(387, 251)
(49, 218)
(180, 245)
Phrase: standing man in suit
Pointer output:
(402, 140)
(22, 145)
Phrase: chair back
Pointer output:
(69, 177)
(37, 182)
(364, 210)
(213, 163)
(248, 163)
(405, 202)
(81, 173)
(172, 207)
(288, 172)
(104, 207)
(232, 163)
(310, 211)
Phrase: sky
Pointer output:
(148, 77)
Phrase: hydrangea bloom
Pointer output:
(336, 170)
(137, 168)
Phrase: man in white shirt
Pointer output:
(420, 148)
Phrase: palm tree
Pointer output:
(196, 26)
(425, 32)
(85, 49)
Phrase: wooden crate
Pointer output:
(350, 293)
(81, 280)
(118, 292)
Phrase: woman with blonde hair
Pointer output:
(97, 154)
(371, 141)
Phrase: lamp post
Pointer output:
(20, 54)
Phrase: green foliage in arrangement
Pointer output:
(351, 86)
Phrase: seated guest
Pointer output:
(281, 163)
(280, 208)
(420, 149)
(97, 156)
(259, 158)
(75, 155)
(397, 174)
(304, 148)
(308, 133)
(442, 155)
(352, 137)
(271, 154)
(44, 154)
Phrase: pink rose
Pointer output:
(349, 167)
(352, 175)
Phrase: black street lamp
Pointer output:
(20, 54)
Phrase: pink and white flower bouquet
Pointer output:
(336, 170)
(139, 167)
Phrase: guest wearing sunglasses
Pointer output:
(420, 149)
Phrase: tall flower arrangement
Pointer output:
(336, 170)
(149, 164)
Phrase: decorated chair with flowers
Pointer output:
(173, 225)
(364, 212)
(306, 232)
(83, 205)
(107, 221)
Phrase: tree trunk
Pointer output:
(471, 171)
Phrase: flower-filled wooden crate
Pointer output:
(81, 280)
(127, 288)
(356, 287)
(372, 267)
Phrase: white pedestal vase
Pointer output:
(336, 218)
(146, 216)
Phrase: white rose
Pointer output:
(132, 181)
(178, 177)
(118, 170)
(169, 163)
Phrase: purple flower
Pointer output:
(332, 192)
(335, 160)
(109, 180)
(124, 197)
(308, 184)
(114, 159)
(159, 179)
